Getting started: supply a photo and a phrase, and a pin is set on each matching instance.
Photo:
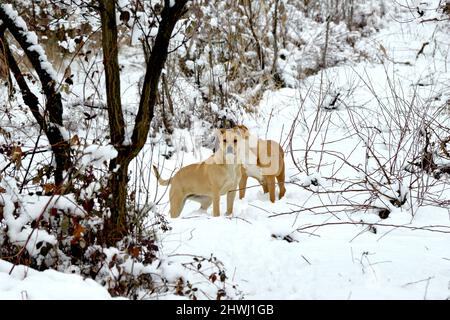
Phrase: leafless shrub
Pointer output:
(403, 139)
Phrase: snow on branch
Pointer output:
(36, 55)
(29, 37)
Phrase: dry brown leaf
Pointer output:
(135, 251)
(16, 156)
(75, 140)
(78, 232)
(48, 188)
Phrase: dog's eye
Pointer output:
(235, 140)
(225, 140)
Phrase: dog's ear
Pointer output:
(243, 130)
(220, 132)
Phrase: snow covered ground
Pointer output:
(339, 261)
(314, 244)
(25, 283)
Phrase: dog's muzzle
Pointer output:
(229, 149)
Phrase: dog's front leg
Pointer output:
(270, 180)
(231, 195)
(263, 183)
(243, 185)
(216, 204)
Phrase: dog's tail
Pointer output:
(160, 180)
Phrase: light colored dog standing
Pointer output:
(264, 161)
(206, 181)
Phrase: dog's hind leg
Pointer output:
(231, 195)
(280, 179)
(177, 201)
(263, 183)
(265, 187)
(270, 180)
(216, 204)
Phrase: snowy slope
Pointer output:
(25, 283)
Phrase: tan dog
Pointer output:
(206, 181)
(264, 161)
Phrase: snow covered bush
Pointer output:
(399, 156)
(234, 50)
(226, 53)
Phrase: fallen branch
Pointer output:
(424, 228)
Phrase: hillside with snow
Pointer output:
(365, 135)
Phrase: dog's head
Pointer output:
(248, 150)
(229, 144)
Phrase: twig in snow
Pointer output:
(306, 259)
(418, 281)
(423, 228)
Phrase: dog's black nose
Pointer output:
(229, 149)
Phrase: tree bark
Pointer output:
(275, 38)
(167, 113)
(112, 71)
(117, 225)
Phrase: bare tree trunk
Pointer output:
(167, 113)
(274, 72)
(112, 71)
(117, 225)
(275, 38)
